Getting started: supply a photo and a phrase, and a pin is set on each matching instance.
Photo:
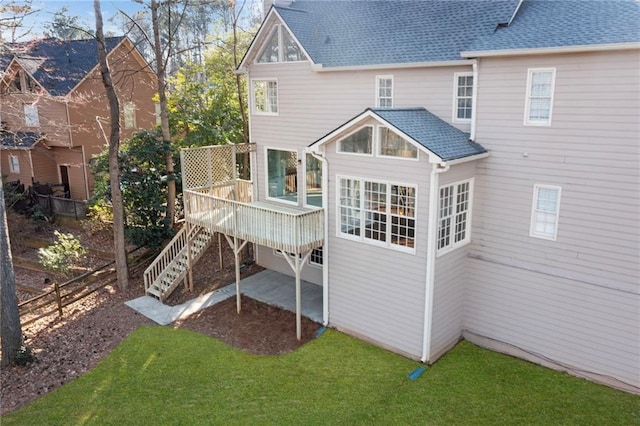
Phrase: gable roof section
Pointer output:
(362, 33)
(59, 65)
(541, 24)
(424, 128)
(23, 140)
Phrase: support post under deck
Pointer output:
(297, 263)
(237, 248)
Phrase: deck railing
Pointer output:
(222, 208)
(217, 199)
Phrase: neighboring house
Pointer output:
(54, 110)
(448, 169)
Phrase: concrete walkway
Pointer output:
(270, 287)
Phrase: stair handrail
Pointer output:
(165, 257)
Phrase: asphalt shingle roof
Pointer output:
(426, 129)
(378, 32)
(553, 23)
(19, 139)
(354, 33)
(59, 65)
(433, 133)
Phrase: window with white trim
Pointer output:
(463, 97)
(454, 215)
(539, 100)
(129, 115)
(280, 47)
(313, 180)
(544, 212)
(380, 213)
(394, 145)
(31, 117)
(384, 91)
(315, 258)
(358, 142)
(158, 111)
(14, 164)
(265, 97)
(282, 175)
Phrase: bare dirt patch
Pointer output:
(69, 346)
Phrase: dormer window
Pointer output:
(280, 47)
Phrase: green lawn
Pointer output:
(160, 375)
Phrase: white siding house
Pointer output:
(477, 165)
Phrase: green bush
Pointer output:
(143, 181)
(62, 254)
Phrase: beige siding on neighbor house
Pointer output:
(44, 164)
(52, 116)
(133, 83)
(576, 299)
(25, 167)
(311, 104)
(72, 159)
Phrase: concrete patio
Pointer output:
(270, 287)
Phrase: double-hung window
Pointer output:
(544, 212)
(384, 91)
(129, 115)
(31, 117)
(265, 97)
(539, 100)
(380, 213)
(282, 175)
(14, 164)
(463, 97)
(454, 218)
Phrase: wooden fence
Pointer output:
(52, 205)
(76, 289)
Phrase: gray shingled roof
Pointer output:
(552, 23)
(19, 139)
(426, 129)
(378, 32)
(433, 133)
(353, 33)
(59, 65)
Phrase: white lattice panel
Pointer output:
(208, 166)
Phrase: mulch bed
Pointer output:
(69, 346)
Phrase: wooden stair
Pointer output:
(171, 266)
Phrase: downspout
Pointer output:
(474, 99)
(86, 178)
(432, 230)
(325, 247)
(31, 167)
(66, 103)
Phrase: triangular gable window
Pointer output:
(18, 81)
(270, 52)
(292, 51)
(281, 47)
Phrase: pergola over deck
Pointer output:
(216, 198)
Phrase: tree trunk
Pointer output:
(10, 327)
(164, 116)
(122, 271)
(243, 112)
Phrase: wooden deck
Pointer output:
(290, 229)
